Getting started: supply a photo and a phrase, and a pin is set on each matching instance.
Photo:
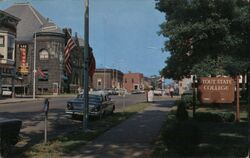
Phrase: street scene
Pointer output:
(119, 78)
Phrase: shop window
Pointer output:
(43, 54)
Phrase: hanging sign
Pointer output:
(216, 89)
(23, 68)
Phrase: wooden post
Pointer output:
(248, 99)
(194, 96)
(237, 99)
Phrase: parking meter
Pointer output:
(45, 109)
(46, 106)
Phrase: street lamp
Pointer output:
(34, 70)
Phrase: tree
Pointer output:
(199, 32)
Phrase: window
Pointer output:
(99, 82)
(11, 46)
(132, 80)
(125, 80)
(44, 54)
(1, 41)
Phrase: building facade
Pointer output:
(40, 47)
(8, 25)
(107, 79)
(133, 81)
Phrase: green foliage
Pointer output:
(182, 137)
(243, 95)
(188, 99)
(208, 117)
(181, 113)
(228, 117)
(214, 117)
(202, 31)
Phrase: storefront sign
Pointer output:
(216, 90)
(23, 69)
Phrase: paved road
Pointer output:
(131, 139)
(33, 118)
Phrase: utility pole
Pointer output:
(86, 65)
(34, 70)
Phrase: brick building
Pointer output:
(133, 81)
(107, 79)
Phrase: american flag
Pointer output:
(92, 64)
(41, 73)
(67, 50)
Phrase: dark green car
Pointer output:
(99, 105)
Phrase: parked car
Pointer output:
(158, 92)
(137, 91)
(112, 92)
(99, 104)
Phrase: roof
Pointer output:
(31, 21)
(9, 15)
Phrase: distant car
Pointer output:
(6, 92)
(137, 91)
(112, 92)
(158, 92)
(99, 104)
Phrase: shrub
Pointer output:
(188, 99)
(228, 116)
(243, 95)
(208, 117)
(181, 113)
(182, 137)
(214, 117)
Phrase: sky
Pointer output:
(123, 33)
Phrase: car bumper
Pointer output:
(77, 112)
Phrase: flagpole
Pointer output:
(34, 70)
(86, 65)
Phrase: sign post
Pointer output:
(248, 96)
(194, 96)
(237, 99)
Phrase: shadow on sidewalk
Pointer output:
(132, 138)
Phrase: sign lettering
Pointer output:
(216, 90)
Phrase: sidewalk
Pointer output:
(29, 98)
(131, 139)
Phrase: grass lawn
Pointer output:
(218, 139)
(65, 144)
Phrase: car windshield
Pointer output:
(91, 97)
